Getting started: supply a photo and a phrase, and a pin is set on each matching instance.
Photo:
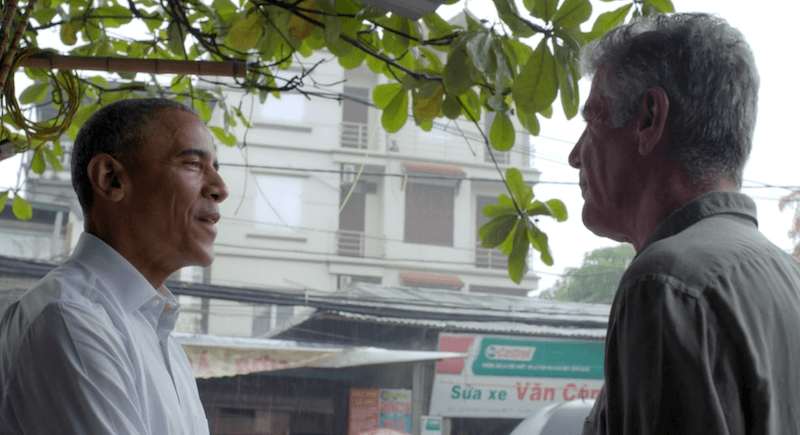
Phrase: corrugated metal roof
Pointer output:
(491, 327)
(449, 309)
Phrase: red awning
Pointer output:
(428, 278)
(433, 168)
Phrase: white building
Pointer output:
(321, 196)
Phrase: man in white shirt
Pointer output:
(88, 350)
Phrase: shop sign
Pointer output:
(371, 408)
(509, 377)
(431, 425)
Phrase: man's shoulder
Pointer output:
(69, 287)
(70, 283)
(707, 251)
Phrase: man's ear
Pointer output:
(107, 176)
(652, 125)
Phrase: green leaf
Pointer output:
(544, 9)
(69, 34)
(376, 65)
(433, 60)
(333, 28)
(558, 208)
(507, 11)
(3, 200)
(245, 34)
(661, 5)
(34, 93)
(436, 25)
(539, 241)
(471, 107)
(567, 86)
(352, 60)
(496, 210)
(225, 9)
(52, 159)
(384, 94)
(43, 16)
(608, 20)
(22, 210)
(523, 194)
(528, 120)
(37, 162)
(518, 258)
(502, 135)
(176, 38)
(536, 86)
(227, 138)
(428, 101)
(114, 15)
(479, 50)
(553, 207)
(497, 230)
(572, 13)
(203, 109)
(395, 115)
(457, 77)
(451, 107)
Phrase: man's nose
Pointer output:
(216, 187)
(574, 158)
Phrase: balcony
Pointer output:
(354, 135)
(490, 258)
(358, 244)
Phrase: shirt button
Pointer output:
(155, 303)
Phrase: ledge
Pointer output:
(275, 236)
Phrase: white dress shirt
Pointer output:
(88, 351)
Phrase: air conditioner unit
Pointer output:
(345, 281)
(348, 173)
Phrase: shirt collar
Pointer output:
(126, 284)
(718, 202)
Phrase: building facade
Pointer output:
(322, 197)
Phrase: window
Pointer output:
(279, 203)
(287, 108)
(355, 117)
(429, 214)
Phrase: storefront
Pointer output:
(264, 387)
(504, 379)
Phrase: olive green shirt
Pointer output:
(704, 332)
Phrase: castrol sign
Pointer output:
(513, 377)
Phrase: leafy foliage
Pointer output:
(434, 69)
(596, 281)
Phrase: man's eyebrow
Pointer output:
(199, 153)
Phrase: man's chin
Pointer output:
(595, 223)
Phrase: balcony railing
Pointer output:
(357, 244)
(490, 258)
(355, 135)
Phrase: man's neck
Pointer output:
(663, 199)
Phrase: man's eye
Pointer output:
(193, 163)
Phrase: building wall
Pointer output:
(300, 251)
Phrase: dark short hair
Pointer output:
(116, 129)
(709, 74)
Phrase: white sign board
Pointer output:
(512, 377)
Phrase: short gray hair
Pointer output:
(116, 129)
(709, 74)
